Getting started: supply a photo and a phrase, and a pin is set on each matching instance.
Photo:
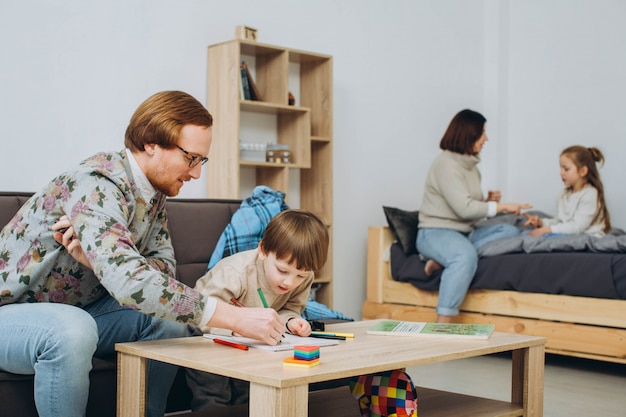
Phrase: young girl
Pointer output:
(581, 206)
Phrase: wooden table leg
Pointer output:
(131, 385)
(266, 401)
(527, 380)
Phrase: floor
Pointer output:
(574, 387)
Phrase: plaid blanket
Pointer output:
(248, 223)
(318, 311)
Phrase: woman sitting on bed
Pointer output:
(453, 202)
(581, 207)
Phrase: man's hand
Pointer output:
(257, 323)
(65, 235)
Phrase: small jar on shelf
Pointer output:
(278, 152)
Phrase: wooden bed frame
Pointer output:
(584, 327)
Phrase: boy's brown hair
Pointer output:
(297, 237)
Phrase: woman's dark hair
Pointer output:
(589, 157)
(465, 128)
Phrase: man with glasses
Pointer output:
(87, 262)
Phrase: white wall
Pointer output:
(546, 74)
(567, 85)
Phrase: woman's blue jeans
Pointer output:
(56, 343)
(456, 252)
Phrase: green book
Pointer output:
(418, 328)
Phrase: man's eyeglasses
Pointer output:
(194, 160)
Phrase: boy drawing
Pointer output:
(294, 245)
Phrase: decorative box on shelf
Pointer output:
(246, 33)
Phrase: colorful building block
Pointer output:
(297, 363)
(306, 353)
(304, 357)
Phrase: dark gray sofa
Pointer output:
(195, 226)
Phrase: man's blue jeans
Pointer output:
(117, 324)
(56, 342)
(456, 252)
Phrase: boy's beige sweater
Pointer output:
(240, 275)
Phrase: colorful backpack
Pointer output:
(385, 394)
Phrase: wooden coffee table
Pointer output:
(276, 391)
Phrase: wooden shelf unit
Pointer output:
(306, 128)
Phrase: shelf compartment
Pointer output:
(271, 70)
(318, 182)
(293, 126)
(275, 177)
(271, 108)
(316, 92)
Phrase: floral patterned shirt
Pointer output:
(124, 237)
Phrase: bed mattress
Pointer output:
(584, 274)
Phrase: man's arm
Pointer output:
(158, 250)
(257, 323)
(115, 230)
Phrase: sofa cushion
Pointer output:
(10, 203)
(194, 233)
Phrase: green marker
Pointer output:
(263, 300)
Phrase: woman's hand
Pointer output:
(514, 208)
(299, 326)
(65, 235)
(494, 195)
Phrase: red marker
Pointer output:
(231, 344)
(236, 302)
